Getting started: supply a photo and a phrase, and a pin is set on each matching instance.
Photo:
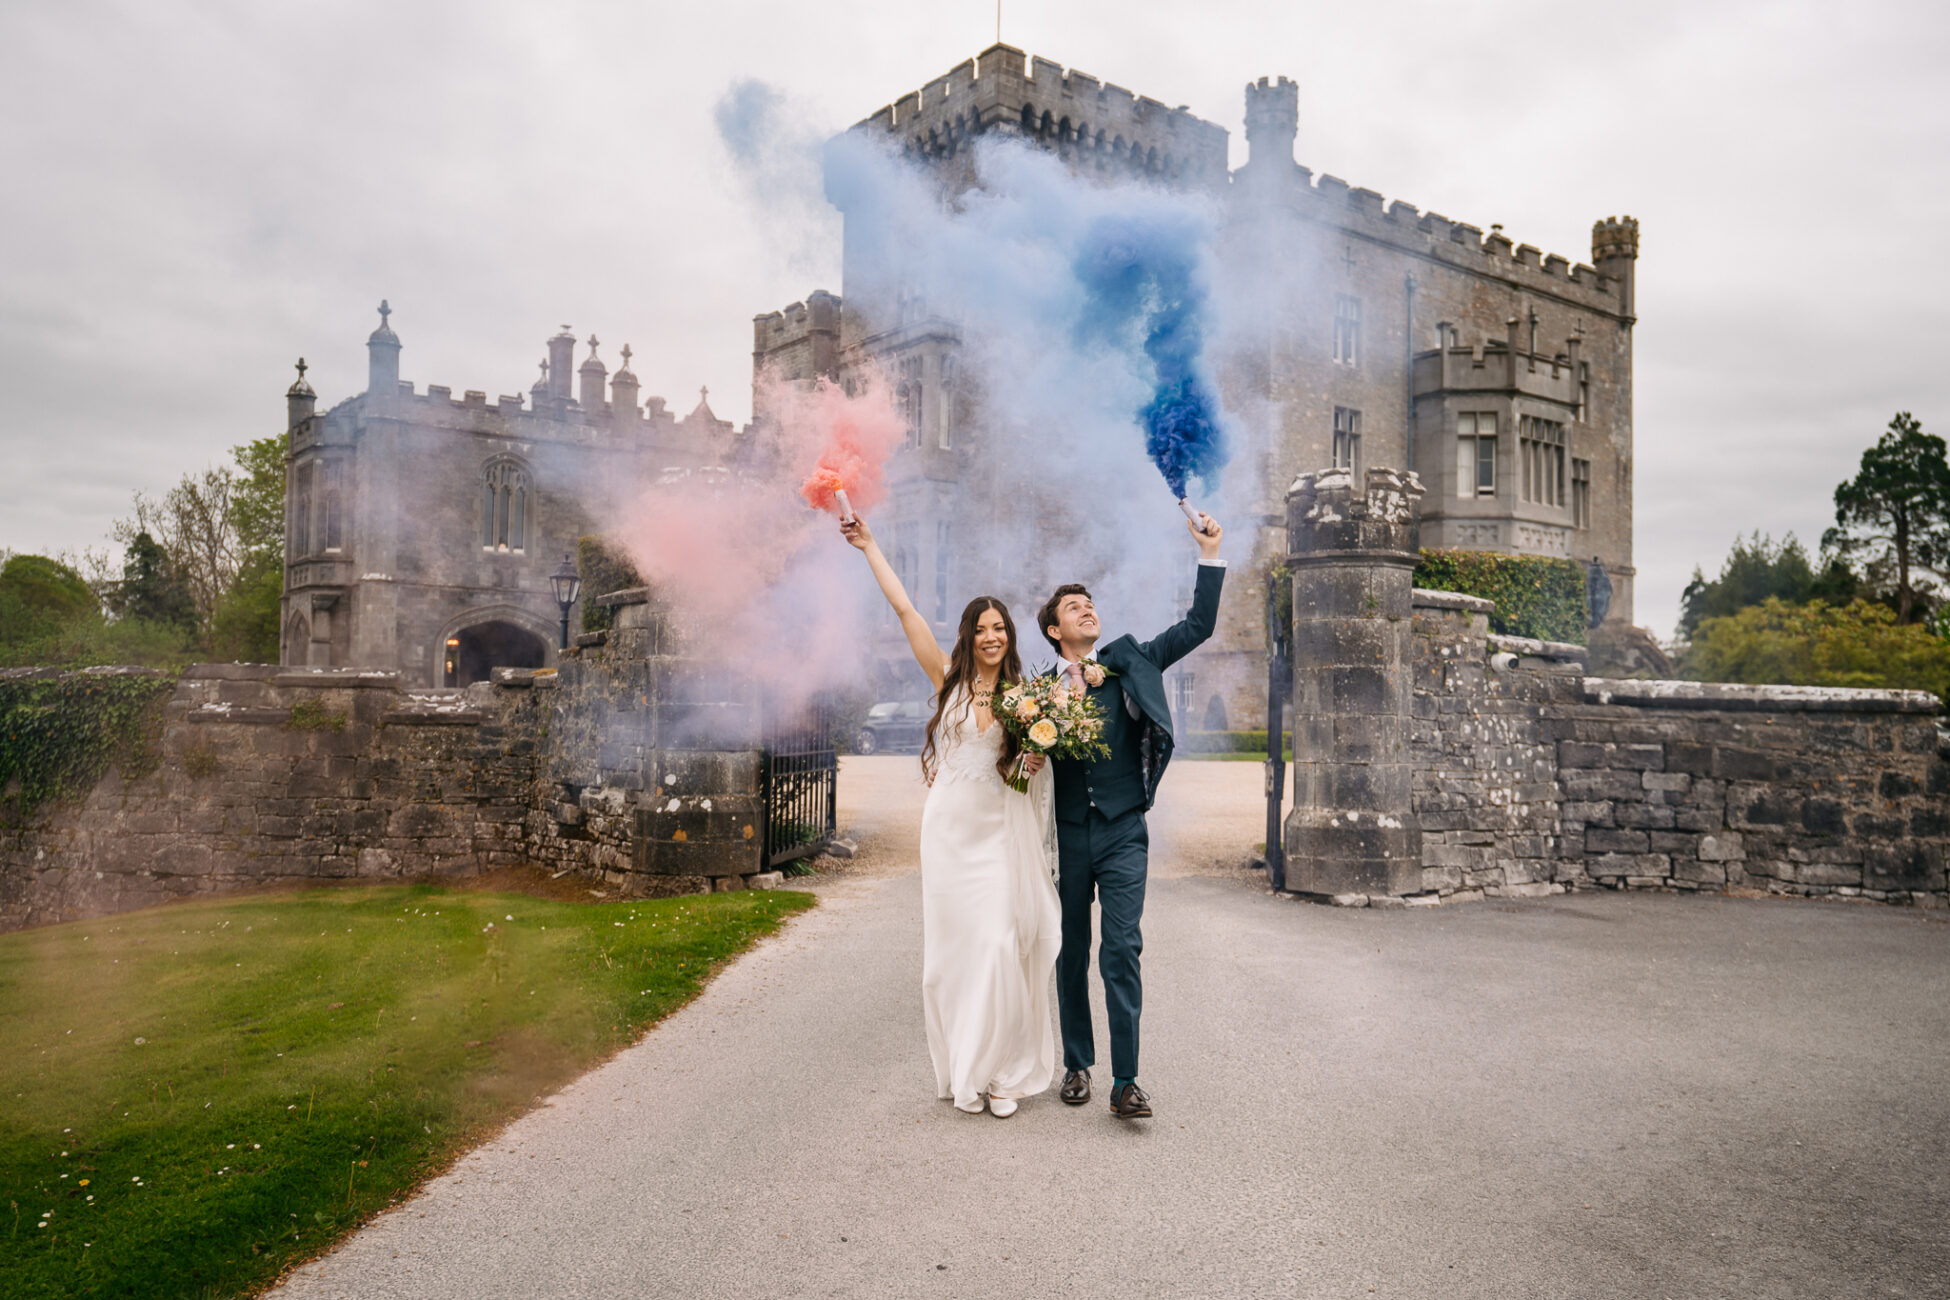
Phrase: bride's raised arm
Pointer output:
(920, 637)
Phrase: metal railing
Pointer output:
(801, 783)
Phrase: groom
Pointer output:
(1102, 842)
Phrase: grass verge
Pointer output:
(195, 1096)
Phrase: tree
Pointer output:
(1756, 569)
(47, 587)
(195, 526)
(151, 591)
(245, 623)
(221, 533)
(1817, 644)
(1895, 515)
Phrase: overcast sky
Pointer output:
(198, 193)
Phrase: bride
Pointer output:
(990, 921)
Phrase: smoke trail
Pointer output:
(854, 435)
(1145, 276)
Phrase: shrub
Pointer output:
(604, 570)
(1818, 644)
(1535, 596)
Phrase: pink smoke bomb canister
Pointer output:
(846, 507)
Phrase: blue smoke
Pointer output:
(1143, 277)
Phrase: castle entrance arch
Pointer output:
(493, 638)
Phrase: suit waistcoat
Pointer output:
(1113, 785)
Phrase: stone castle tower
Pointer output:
(421, 528)
(1501, 375)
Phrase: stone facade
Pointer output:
(1393, 337)
(1529, 777)
(631, 766)
(421, 528)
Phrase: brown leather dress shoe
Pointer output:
(1076, 1088)
(1130, 1102)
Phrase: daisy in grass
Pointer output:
(1048, 718)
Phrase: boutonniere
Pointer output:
(1094, 673)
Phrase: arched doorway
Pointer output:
(474, 652)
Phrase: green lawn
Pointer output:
(193, 1096)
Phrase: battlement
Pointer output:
(1614, 237)
(1093, 125)
(1332, 201)
(553, 415)
(819, 313)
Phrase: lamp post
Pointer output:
(568, 585)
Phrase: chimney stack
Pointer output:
(623, 390)
(561, 364)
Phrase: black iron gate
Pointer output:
(801, 784)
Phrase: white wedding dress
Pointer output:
(991, 922)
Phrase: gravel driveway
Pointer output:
(1601, 1095)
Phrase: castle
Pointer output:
(1501, 375)
(421, 528)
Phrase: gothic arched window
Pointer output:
(504, 506)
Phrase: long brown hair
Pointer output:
(961, 672)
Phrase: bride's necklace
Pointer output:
(982, 695)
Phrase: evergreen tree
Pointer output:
(1894, 515)
(1758, 568)
(150, 590)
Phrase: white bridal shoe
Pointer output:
(1002, 1107)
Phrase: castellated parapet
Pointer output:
(800, 343)
(1093, 125)
(421, 528)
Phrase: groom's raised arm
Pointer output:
(1192, 631)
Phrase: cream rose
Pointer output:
(1043, 733)
(1093, 674)
(1027, 710)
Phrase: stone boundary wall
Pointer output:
(1532, 778)
(631, 765)
(275, 774)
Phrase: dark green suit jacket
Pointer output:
(1140, 747)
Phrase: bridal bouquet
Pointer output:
(1048, 718)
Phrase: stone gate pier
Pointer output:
(1352, 553)
(1435, 759)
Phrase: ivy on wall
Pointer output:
(58, 735)
(1535, 596)
(604, 570)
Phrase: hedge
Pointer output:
(1535, 596)
(604, 570)
(1223, 742)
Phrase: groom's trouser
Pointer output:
(1107, 857)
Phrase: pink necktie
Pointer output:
(1076, 679)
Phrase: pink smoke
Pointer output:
(752, 578)
(851, 438)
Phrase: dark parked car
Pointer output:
(892, 727)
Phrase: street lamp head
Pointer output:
(567, 583)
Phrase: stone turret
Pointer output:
(299, 400)
(1615, 252)
(1353, 552)
(382, 356)
(1272, 121)
(623, 389)
(594, 375)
